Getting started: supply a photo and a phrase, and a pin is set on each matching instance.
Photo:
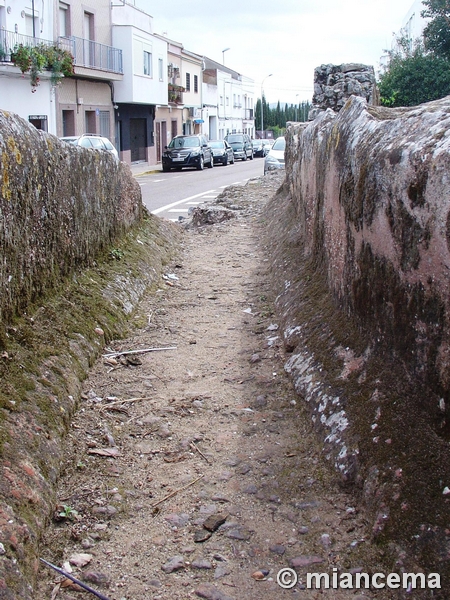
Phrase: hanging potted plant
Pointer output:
(21, 57)
(41, 57)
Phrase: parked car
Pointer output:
(241, 144)
(222, 152)
(275, 158)
(258, 148)
(92, 140)
(187, 151)
(267, 144)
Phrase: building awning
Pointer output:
(199, 121)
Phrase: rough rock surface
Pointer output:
(47, 354)
(334, 84)
(363, 285)
(60, 206)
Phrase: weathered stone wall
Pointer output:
(61, 210)
(59, 207)
(373, 185)
(360, 244)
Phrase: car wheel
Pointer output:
(166, 169)
(201, 164)
(225, 161)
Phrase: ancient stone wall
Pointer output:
(360, 240)
(373, 185)
(59, 207)
(77, 253)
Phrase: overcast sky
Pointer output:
(285, 38)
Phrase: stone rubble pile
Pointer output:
(334, 84)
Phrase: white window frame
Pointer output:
(148, 66)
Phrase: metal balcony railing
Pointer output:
(249, 113)
(93, 55)
(10, 40)
(86, 53)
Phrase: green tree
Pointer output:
(258, 115)
(413, 76)
(436, 35)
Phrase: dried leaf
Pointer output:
(71, 585)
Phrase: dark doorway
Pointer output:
(158, 141)
(138, 135)
(68, 121)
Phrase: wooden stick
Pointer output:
(74, 579)
(192, 445)
(114, 354)
(106, 406)
(175, 492)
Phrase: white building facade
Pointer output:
(21, 24)
(228, 101)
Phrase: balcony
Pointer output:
(10, 41)
(175, 94)
(92, 55)
(249, 114)
(86, 53)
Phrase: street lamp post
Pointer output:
(262, 104)
(223, 55)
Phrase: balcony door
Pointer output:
(88, 37)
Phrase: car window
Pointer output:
(235, 138)
(280, 144)
(85, 143)
(187, 142)
(97, 143)
(108, 144)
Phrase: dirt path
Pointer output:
(211, 428)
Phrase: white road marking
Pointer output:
(163, 208)
(178, 210)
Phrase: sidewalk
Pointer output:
(142, 168)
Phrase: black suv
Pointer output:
(187, 151)
(241, 144)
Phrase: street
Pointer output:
(170, 195)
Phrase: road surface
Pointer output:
(170, 195)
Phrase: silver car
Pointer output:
(275, 159)
(91, 140)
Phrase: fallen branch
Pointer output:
(176, 492)
(192, 445)
(74, 579)
(110, 404)
(114, 354)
